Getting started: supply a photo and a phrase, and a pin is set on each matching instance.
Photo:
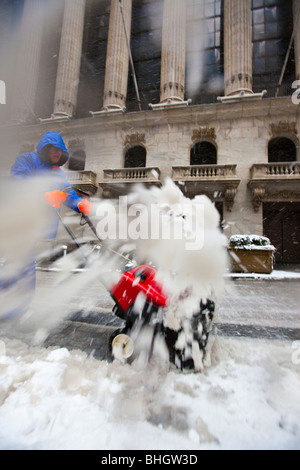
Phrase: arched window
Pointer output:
(77, 160)
(203, 153)
(282, 149)
(135, 157)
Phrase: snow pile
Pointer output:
(191, 261)
(56, 399)
(276, 275)
(250, 242)
(194, 255)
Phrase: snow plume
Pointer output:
(188, 249)
(27, 312)
(179, 236)
(22, 225)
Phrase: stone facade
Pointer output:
(241, 134)
(240, 129)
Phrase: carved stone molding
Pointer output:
(258, 195)
(134, 139)
(283, 127)
(204, 133)
(229, 197)
(76, 144)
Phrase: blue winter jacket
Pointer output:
(36, 164)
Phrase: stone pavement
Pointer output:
(258, 306)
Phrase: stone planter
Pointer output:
(249, 257)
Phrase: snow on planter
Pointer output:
(251, 253)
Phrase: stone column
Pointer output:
(296, 6)
(69, 61)
(27, 65)
(238, 46)
(117, 60)
(173, 51)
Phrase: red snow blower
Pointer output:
(140, 301)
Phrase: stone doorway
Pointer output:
(281, 223)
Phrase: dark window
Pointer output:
(135, 157)
(203, 153)
(282, 149)
(205, 51)
(93, 60)
(272, 22)
(77, 160)
(146, 37)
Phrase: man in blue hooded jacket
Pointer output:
(51, 154)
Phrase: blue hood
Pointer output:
(52, 139)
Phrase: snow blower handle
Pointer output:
(67, 228)
(91, 225)
(110, 250)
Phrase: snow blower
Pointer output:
(141, 302)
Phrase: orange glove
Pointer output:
(85, 206)
(55, 198)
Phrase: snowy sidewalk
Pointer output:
(262, 302)
(62, 398)
(259, 300)
(254, 306)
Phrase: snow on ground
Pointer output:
(275, 275)
(56, 399)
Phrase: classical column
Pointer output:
(296, 5)
(117, 59)
(27, 61)
(238, 47)
(69, 61)
(173, 51)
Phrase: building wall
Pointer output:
(242, 129)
